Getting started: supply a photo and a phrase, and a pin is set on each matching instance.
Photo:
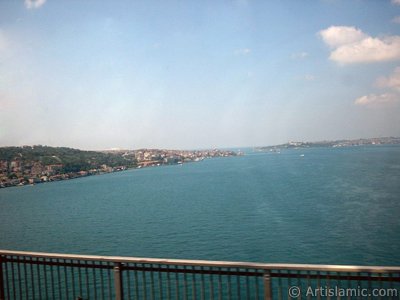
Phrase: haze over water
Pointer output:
(333, 206)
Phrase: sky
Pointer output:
(197, 74)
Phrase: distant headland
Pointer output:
(36, 164)
(334, 144)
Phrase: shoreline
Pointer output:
(109, 170)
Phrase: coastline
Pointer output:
(19, 172)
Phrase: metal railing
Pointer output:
(33, 275)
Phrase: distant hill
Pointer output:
(68, 159)
(35, 164)
(337, 143)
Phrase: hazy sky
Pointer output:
(197, 74)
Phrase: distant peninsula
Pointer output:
(334, 144)
(37, 164)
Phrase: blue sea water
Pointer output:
(331, 206)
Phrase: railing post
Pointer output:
(119, 292)
(267, 286)
(2, 296)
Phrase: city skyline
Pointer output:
(177, 75)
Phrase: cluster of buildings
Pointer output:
(157, 157)
(18, 171)
(366, 142)
(334, 144)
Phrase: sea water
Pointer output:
(316, 205)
